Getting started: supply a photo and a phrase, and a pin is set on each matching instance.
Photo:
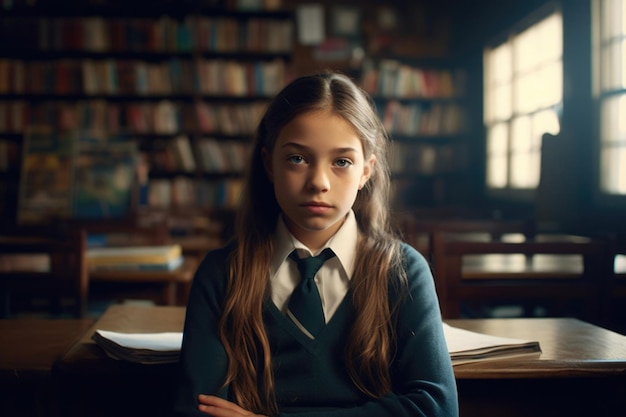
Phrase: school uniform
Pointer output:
(309, 373)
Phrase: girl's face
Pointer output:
(317, 168)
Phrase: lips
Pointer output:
(316, 204)
(316, 207)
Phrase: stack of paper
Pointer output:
(146, 348)
(466, 346)
(165, 257)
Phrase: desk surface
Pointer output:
(570, 347)
(33, 345)
(86, 356)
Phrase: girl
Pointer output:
(318, 179)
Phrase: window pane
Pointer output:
(525, 170)
(611, 18)
(539, 89)
(623, 7)
(613, 118)
(525, 154)
(546, 121)
(611, 66)
(497, 149)
(526, 90)
(498, 84)
(521, 134)
(550, 82)
(496, 172)
(525, 51)
(621, 71)
(502, 103)
(500, 64)
(498, 140)
(550, 29)
(613, 170)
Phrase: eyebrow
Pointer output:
(304, 147)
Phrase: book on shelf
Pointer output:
(184, 153)
(160, 257)
(170, 265)
(464, 346)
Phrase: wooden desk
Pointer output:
(92, 384)
(28, 352)
(570, 348)
(581, 372)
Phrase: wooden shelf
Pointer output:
(67, 44)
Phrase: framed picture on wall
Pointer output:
(46, 187)
(104, 178)
(346, 21)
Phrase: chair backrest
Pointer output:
(419, 232)
(614, 292)
(45, 264)
(552, 269)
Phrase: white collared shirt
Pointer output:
(333, 278)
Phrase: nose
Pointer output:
(318, 179)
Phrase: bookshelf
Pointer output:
(185, 81)
(421, 104)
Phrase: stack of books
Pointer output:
(150, 258)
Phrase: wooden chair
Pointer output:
(46, 266)
(167, 287)
(561, 272)
(614, 292)
(419, 232)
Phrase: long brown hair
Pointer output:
(371, 343)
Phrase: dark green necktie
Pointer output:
(305, 304)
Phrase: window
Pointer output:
(523, 79)
(610, 92)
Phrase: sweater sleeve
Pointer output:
(203, 361)
(424, 383)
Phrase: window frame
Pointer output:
(522, 195)
(602, 200)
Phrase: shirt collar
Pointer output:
(343, 244)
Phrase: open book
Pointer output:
(464, 346)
